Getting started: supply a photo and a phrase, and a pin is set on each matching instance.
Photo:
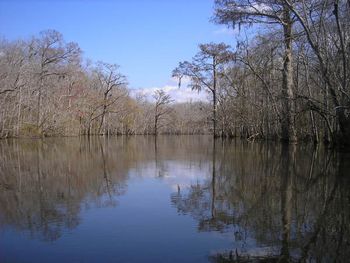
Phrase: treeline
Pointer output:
(290, 81)
(48, 89)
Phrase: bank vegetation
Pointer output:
(290, 81)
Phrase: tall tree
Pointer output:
(204, 70)
(161, 108)
(110, 81)
(49, 53)
(326, 26)
(267, 12)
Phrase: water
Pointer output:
(177, 199)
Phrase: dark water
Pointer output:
(181, 199)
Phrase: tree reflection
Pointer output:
(45, 185)
(287, 171)
(278, 203)
(281, 203)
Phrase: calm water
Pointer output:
(180, 199)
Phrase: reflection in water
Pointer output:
(45, 183)
(268, 203)
(281, 203)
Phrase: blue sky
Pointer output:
(147, 38)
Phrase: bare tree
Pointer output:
(47, 89)
(49, 52)
(267, 12)
(203, 71)
(326, 26)
(108, 80)
(161, 108)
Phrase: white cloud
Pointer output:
(175, 174)
(257, 8)
(179, 95)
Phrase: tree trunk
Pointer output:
(102, 118)
(155, 126)
(288, 110)
(214, 114)
(39, 106)
(19, 112)
(214, 98)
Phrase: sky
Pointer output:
(147, 38)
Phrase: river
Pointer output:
(174, 199)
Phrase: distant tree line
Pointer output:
(289, 82)
(47, 89)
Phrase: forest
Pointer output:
(288, 81)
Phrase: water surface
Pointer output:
(177, 199)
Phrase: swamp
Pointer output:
(172, 199)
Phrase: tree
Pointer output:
(12, 82)
(161, 108)
(267, 12)
(326, 26)
(108, 80)
(203, 71)
(49, 53)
